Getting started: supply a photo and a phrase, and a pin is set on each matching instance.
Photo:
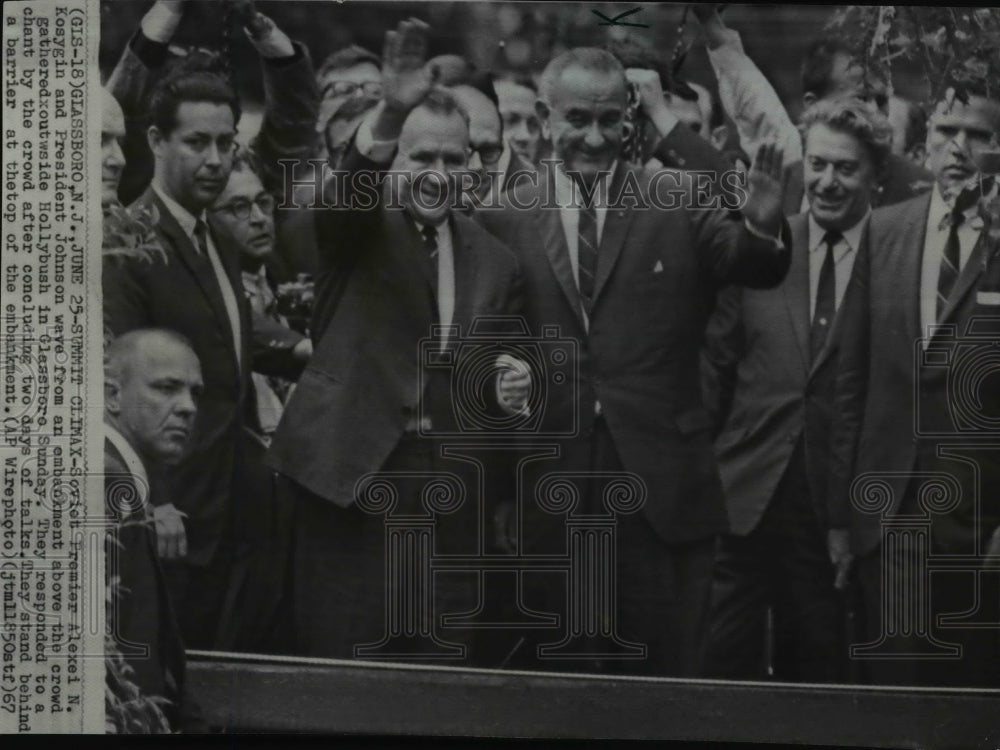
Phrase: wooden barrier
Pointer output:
(260, 693)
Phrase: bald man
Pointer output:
(112, 157)
(152, 382)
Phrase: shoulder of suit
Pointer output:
(481, 240)
(113, 461)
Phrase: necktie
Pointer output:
(225, 286)
(826, 297)
(430, 234)
(950, 261)
(587, 254)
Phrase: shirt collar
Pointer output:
(443, 229)
(180, 214)
(941, 208)
(851, 235)
(132, 461)
(567, 192)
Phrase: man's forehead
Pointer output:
(112, 119)
(212, 117)
(822, 140)
(424, 129)
(578, 85)
(243, 183)
(979, 110)
(514, 96)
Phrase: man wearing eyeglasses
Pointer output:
(349, 78)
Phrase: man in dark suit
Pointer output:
(771, 354)
(192, 288)
(912, 417)
(633, 286)
(152, 385)
(392, 265)
(829, 71)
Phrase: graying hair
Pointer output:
(591, 59)
(857, 118)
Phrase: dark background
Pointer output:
(775, 36)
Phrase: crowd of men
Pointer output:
(746, 363)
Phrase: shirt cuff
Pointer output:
(160, 23)
(757, 232)
(380, 152)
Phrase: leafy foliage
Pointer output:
(957, 48)
(130, 233)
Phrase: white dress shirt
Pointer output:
(188, 224)
(445, 278)
(133, 463)
(934, 241)
(844, 255)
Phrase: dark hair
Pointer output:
(817, 66)
(347, 57)
(455, 70)
(916, 127)
(188, 86)
(854, 117)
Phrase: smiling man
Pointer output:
(194, 290)
(772, 355)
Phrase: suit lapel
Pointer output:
(971, 271)
(200, 267)
(908, 255)
(550, 228)
(616, 225)
(796, 285)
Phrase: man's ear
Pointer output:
(112, 396)
(917, 154)
(155, 139)
(719, 136)
(542, 110)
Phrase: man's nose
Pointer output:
(594, 137)
(115, 156)
(257, 214)
(213, 155)
(827, 178)
(960, 142)
(185, 405)
(520, 132)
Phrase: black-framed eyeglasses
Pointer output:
(349, 88)
(489, 153)
(241, 208)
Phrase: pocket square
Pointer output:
(658, 268)
(987, 298)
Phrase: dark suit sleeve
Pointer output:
(271, 346)
(125, 298)
(291, 105)
(721, 354)
(682, 148)
(732, 254)
(850, 392)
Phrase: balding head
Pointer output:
(112, 158)
(152, 381)
(485, 127)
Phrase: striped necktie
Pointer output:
(950, 261)
(587, 254)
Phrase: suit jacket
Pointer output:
(758, 342)
(374, 304)
(146, 626)
(656, 277)
(897, 404)
(181, 293)
(900, 181)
